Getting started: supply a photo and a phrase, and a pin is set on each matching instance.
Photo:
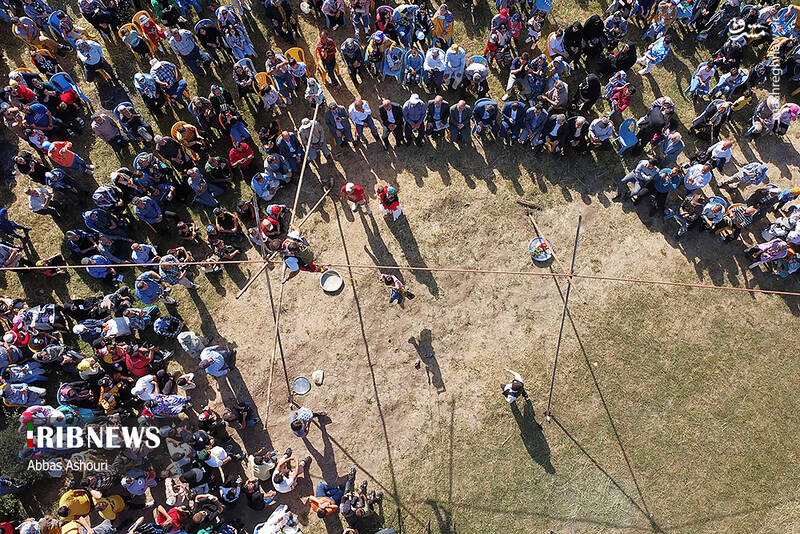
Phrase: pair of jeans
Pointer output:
(332, 492)
(177, 90)
(697, 86)
(194, 58)
(722, 88)
(330, 68)
(90, 71)
(79, 164)
(370, 123)
(433, 78)
(395, 295)
(313, 151)
(361, 21)
(622, 188)
(460, 134)
(284, 84)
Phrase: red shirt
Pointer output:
(356, 196)
(390, 203)
(327, 49)
(25, 94)
(240, 158)
(69, 97)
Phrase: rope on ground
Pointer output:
(439, 270)
(283, 273)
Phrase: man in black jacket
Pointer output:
(391, 114)
(460, 122)
(438, 116)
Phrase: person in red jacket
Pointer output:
(355, 197)
(241, 156)
(389, 203)
(326, 49)
(60, 153)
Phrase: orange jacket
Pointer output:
(61, 154)
(323, 503)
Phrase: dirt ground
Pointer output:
(428, 437)
(672, 402)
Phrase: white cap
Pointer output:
(8, 337)
(349, 187)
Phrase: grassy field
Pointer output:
(671, 402)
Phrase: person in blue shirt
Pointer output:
(39, 117)
(147, 210)
(149, 290)
(103, 222)
(81, 243)
(98, 269)
(659, 188)
(214, 360)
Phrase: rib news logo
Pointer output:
(103, 437)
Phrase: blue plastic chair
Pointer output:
(405, 64)
(64, 82)
(783, 24)
(203, 23)
(119, 119)
(717, 200)
(626, 136)
(55, 24)
(137, 161)
(477, 59)
(398, 54)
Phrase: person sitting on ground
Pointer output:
(284, 478)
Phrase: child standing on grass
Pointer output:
(397, 290)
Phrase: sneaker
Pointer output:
(90, 166)
(321, 414)
(368, 210)
(169, 300)
(363, 487)
(352, 472)
(335, 27)
(306, 462)
(288, 452)
(379, 496)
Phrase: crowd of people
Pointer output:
(122, 373)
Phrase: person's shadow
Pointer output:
(532, 435)
(424, 348)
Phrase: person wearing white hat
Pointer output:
(355, 197)
(433, 69)
(414, 113)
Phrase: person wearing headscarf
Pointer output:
(594, 38)
(588, 93)
(573, 39)
(443, 26)
(623, 60)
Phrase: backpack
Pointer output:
(304, 253)
(191, 343)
